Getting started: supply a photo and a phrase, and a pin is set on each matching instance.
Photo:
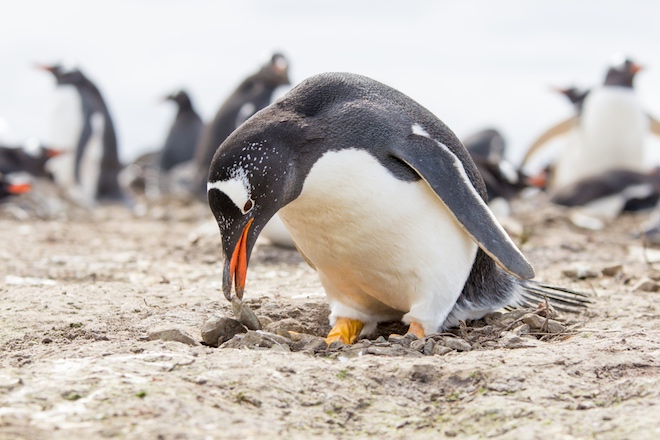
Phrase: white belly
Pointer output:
(66, 119)
(610, 136)
(383, 247)
(90, 162)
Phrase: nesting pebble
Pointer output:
(244, 314)
(217, 330)
(458, 344)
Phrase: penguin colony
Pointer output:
(377, 194)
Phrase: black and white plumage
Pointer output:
(30, 158)
(379, 196)
(607, 133)
(487, 149)
(8, 187)
(184, 133)
(613, 192)
(91, 165)
(253, 94)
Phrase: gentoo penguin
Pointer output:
(252, 95)
(613, 192)
(93, 164)
(380, 198)
(607, 134)
(30, 158)
(183, 135)
(502, 178)
(9, 188)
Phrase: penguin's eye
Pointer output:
(248, 205)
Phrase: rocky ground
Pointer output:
(101, 337)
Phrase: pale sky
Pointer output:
(475, 64)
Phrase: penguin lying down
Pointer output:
(381, 199)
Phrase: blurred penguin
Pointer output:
(607, 133)
(10, 187)
(609, 194)
(30, 158)
(252, 95)
(503, 180)
(183, 135)
(90, 167)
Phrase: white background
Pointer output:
(475, 64)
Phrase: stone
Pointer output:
(288, 325)
(646, 285)
(428, 347)
(171, 334)
(612, 271)
(244, 314)
(417, 345)
(441, 350)
(534, 321)
(580, 273)
(218, 330)
(458, 344)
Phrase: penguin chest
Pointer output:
(613, 127)
(380, 244)
(66, 118)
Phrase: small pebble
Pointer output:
(217, 330)
(441, 350)
(172, 334)
(612, 271)
(458, 344)
(244, 314)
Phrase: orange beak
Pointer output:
(51, 152)
(19, 188)
(236, 267)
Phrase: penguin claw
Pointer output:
(345, 330)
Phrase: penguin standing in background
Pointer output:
(91, 166)
(183, 135)
(380, 197)
(252, 95)
(607, 134)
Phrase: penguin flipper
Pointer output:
(554, 131)
(444, 172)
(655, 125)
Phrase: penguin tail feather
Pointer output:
(561, 298)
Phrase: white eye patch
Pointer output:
(237, 190)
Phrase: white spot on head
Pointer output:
(236, 188)
(419, 130)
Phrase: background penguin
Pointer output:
(9, 188)
(92, 164)
(30, 158)
(613, 192)
(183, 135)
(502, 178)
(609, 131)
(252, 95)
(381, 199)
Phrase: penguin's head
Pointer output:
(622, 72)
(64, 74)
(181, 98)
(250, 179)
(276, 71)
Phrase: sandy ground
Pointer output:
(80, 295)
